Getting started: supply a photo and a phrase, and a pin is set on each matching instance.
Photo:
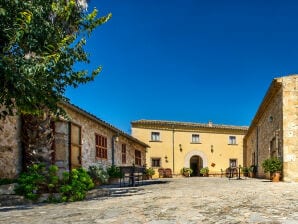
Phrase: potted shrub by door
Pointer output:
(273, 166)
(204, 171)
(186, 171)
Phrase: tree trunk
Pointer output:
(37, 139)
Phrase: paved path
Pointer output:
(184, 200)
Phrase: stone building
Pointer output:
(193, 145)
(82, 140)
(274, 129)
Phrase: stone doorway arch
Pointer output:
(195, 160)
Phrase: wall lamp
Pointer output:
(166, 159)
(180, 147)
(212, 150)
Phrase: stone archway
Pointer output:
(193, 156)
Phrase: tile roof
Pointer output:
(185, 125)
(102, 122)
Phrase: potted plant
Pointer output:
(204, 171)
(114, 173)
(252, 170)
(149, 172)
(273, 166)
(245, 171)
(186, 171)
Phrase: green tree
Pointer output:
(40, 41)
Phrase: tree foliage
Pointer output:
(40, 41)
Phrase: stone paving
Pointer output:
(181, 200)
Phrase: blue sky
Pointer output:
(187, 60)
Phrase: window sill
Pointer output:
(196, 143)
(232, 144)
(154, 141)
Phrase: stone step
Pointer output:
(12, 200)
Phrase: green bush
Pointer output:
(38, 179)
(150, 171)
(114, 172)
(272, 165)
(32, 182)
(204, 171)
(98, 174)
(75, 185)
(186, 171)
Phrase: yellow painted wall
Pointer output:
(222, 151)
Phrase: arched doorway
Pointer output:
(196, 163)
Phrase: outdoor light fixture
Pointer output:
(212, 149)
(180, 147)
(166, 159)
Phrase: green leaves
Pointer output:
(40, 43)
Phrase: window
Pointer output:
(138, 157)
(155, 162)
(195, 138)
(101, 147)
(233, 162)
(155, 136)
(232, 140)
(123, 153)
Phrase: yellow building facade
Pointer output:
(176, 145)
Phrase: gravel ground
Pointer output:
(180, 200)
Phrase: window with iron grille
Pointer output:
(195, 138)
(232, 140)
(101, 147)
(138, 157)
(123, 153)
(155, 136)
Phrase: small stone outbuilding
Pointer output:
(274, 129)
(81, 140)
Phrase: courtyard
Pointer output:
(177, 200)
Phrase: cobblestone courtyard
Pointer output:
(185, 200)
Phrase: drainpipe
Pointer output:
(173, 141)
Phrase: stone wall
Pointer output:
(89, 127)
(274, 130)
(10, 147)
(268, 128)
(290, 128)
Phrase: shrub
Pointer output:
(114, 172)
(32, 182)
(204, 171)
(75, 185)
(98, 174)
(186, 171)
(150, 171)
(272, 165)
(38, 179)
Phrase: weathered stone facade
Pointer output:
(11, 150)
(10, 147)
(274, 129)
(90, 126)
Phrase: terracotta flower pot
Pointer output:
(276, 177)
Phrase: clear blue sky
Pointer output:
(187, 60)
